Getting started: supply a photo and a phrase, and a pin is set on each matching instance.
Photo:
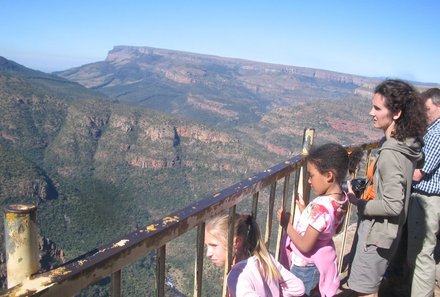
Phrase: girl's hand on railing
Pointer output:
(284, 218)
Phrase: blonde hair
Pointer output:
(246, 228)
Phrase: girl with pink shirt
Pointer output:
(309, 249)
(254, 271)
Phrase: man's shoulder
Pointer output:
(433, 135)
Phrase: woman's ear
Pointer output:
(397, 115)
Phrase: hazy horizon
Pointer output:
(374, 38)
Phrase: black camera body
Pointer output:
(357, 184)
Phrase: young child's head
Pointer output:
(247, 242)
(216, 234)
(327, 164)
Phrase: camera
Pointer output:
(357, 184)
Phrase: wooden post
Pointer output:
(21, 243)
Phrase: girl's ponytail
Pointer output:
(257, 248)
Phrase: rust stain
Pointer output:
(101, 251)
(10, 217)
(40, 283)
(167, 220)
(152, 227)
(120, 243)
(60, 272)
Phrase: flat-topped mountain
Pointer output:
(270, 103)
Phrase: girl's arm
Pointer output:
(303, 243)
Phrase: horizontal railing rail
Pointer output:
(108, 260)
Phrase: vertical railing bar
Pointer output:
(283, 204)
(295, 192)
(269, 217)
(160, 271)
(305, 184)
(228, 260)
(255, 205)
(116, 284)
(199, 260)
(308, 139)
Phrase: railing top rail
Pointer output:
(96, 264)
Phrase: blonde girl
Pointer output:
(254, 272)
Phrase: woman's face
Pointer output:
(215, 249)
(382, 118)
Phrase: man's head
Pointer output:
(432, 103)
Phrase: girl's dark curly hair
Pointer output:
(401, 96)
(330, 157)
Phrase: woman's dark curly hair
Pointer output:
(401, 96)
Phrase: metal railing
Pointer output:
(108, 260)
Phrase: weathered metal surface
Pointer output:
(21, 242)
(116, 284)
(231, 234)
(269, 217)
(255, 204)
(283, 204)
(199, 260)
(160, 271)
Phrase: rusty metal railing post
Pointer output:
(229, 258)
(21, 243)
(303, 186)
(198, 273)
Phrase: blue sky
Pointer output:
(388, 38)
